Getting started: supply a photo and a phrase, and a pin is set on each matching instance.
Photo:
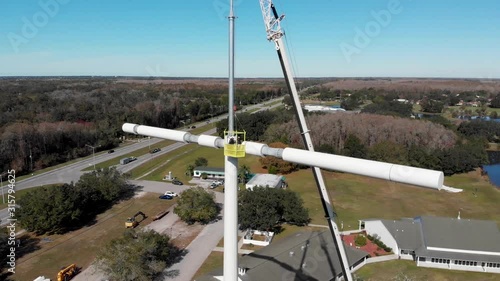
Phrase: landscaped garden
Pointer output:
(370, 244)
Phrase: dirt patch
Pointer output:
(183, 234)
(140, 194)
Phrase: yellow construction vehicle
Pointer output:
(67, 273)
(132, 222)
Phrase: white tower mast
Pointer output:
(231, 176)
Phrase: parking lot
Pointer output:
(201, 182)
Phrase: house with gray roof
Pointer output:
(306, 255)
(437, 242)
(266, 180)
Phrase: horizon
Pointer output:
(224, 78)
(380, 39)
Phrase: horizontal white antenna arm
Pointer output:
(155, 132)
(381, 170)
(369, 168)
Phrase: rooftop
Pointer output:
(464, 234)
(209, 169)
(264, 180)
(306, 255)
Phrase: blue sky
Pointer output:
(383, 38)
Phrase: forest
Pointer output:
(46, 121)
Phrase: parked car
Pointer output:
(213, 185)
(171, 193)
(218, 182)
(167, 197)
(177, 182)
(111, 151)
(154, 150)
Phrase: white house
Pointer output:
(266, 180)
(447, 243)
(212, 173)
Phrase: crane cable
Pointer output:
(295, 68)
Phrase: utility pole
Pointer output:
(31, 162)
(1, 184)
(93, 152)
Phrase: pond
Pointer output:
(487, 118)
(493, 173)
(493, 169)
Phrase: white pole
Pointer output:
(93, 155)
(231, 177)
(1, 183)
(93, 152)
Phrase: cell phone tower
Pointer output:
(235, 146)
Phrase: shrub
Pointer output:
(379, 243)
(360, 240)
(197, 205)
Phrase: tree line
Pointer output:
(50, 121)
(57, 209)
(392, 139)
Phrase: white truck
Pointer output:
(127, 160)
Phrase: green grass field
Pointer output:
(214, 260)
(252, 110)
(274, 103)
(178, 161)
(356, 197)
(317, 102)
(81, 246)
(393, 269)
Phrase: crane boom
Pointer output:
(274, 33)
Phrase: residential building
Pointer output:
(437, 242)
(266, 180)
(212, 173)
(306, 255)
